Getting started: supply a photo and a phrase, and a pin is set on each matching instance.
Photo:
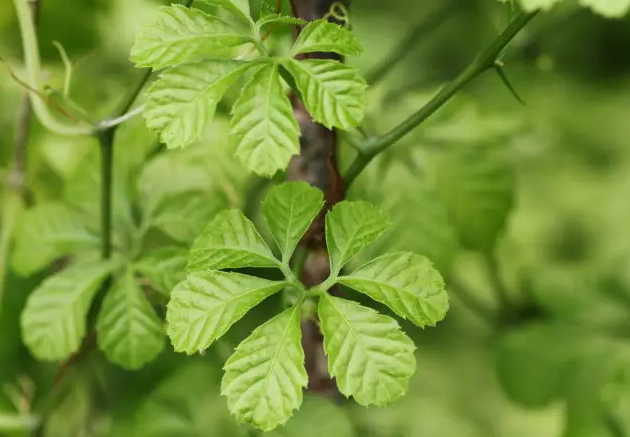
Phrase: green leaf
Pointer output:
(532, 5)
(72, 413)
(370, 357)
(194, 169)
(229, 241)
(351, 226)
(421, 225)
(324, 36)
(184, 99)
(81, 185)
(183, 216)
(333, 93)
(608, 8)
(164, 268)
(239, 8)
(268, 19)
(265, 376)
(179, 405)
(289, 209)
(406, 283)
(204, 306)
(129, 331)
(47, 232)
(318, 416)
(179, 35)
(264, 130)
(532, 362)
(477, 185)
(53, 322)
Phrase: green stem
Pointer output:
(11, 207)
(13, 201)
(33, 68)
(106, 140)
(483, 62)
(260, 46)
(105, 136)
(409, 42)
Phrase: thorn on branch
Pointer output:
(498, 67)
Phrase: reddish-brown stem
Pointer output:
(316, 165)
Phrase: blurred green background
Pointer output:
(524, 208)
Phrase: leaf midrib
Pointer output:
(274, 359)
(220, 81)
(209, 312)
(358, 337)
(411, 316)
(239, 249)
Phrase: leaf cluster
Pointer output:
(193, 49)
(155, 217)
(370, 357)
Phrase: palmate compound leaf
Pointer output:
(54, 320)
(350, 226)
(205, 305)
(230, 240)
(333, 93)
(47, 232)
(289, 209)
(265, 376)
(370, 357)
(405, 282)
(180, 34)
(324, 36)
(129, 331)
(263, 129)
(183, 100)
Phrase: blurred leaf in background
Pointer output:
(542, 189)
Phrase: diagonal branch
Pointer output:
(482, 63)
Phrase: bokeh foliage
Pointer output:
(529, 199)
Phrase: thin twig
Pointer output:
(105, 135)
(482, 63)
(46, 98)
(106, 141)
(108, 124)
(67, 65)
(30, 47)
(427, 25)
(14, 195)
